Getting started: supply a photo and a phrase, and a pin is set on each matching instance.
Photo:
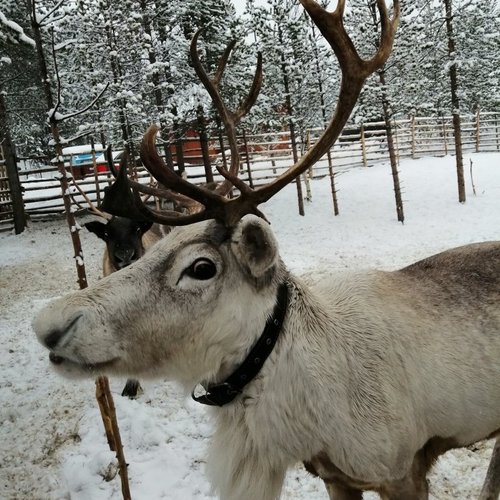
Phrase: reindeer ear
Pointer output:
(255, 245)
(145, 226)
(98, 228)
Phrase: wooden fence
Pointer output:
(264, 156)
(6, 213)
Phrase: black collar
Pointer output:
(223, 393)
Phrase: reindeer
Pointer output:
(366, 377)
(126, 241)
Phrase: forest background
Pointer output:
(140, 48)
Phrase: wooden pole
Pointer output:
(363, 146)
(16, 195)
(445, 137)
(247, 159)
(413, 136)
(291, 125)
(390, 145)
(96, 173)
(332, 183)
(63, 178)
(108, 413)
(455, 101)
(309, 173)
(478, 131)
(209, 176)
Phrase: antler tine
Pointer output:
(229, 119)
(122, 198)
(159, 170)
(247, 104)
(222, 63)
(354, 73)
(388, 31)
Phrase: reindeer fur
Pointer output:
(373, 376)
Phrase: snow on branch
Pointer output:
(65, 43)
(18, 31)
(53, 114)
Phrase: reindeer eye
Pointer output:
(201, 269)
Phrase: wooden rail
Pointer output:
(266, 155)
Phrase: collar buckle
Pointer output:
(217, 395)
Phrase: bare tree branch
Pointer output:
(40, 22)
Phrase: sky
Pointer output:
(240, 5)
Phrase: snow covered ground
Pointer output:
(52, 441)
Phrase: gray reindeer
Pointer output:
(365, 377)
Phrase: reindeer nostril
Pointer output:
(53, 338)
(54, 358)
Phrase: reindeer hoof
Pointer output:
(132, 389)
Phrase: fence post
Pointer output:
(96, 173)
(412, 127)
(309, 173)
(445, 137)
(332, 183)
(298, 182)
(9, 155)
(478, 131)
(497, 135)
(363, 145)
(204, 146)
(249, 170)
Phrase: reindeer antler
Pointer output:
(122, 197)
(91, 207)
(355, 71)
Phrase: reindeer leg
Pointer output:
(339, 492)
(413, 486)
(491, 486)
(132, 389)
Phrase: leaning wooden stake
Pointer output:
(472, 179)
(55, 117)
(108, 414)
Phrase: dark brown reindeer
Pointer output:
(126, 241)
(366, 378)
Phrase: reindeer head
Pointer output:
(181, 311)
(123, 238)
(192, 306)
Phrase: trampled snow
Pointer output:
(52, 440)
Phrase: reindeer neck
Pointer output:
(226, 391)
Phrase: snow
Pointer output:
(53, 443)
(85, 148)
(15, 27)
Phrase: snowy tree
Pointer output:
(19, 80)
(478, 39)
